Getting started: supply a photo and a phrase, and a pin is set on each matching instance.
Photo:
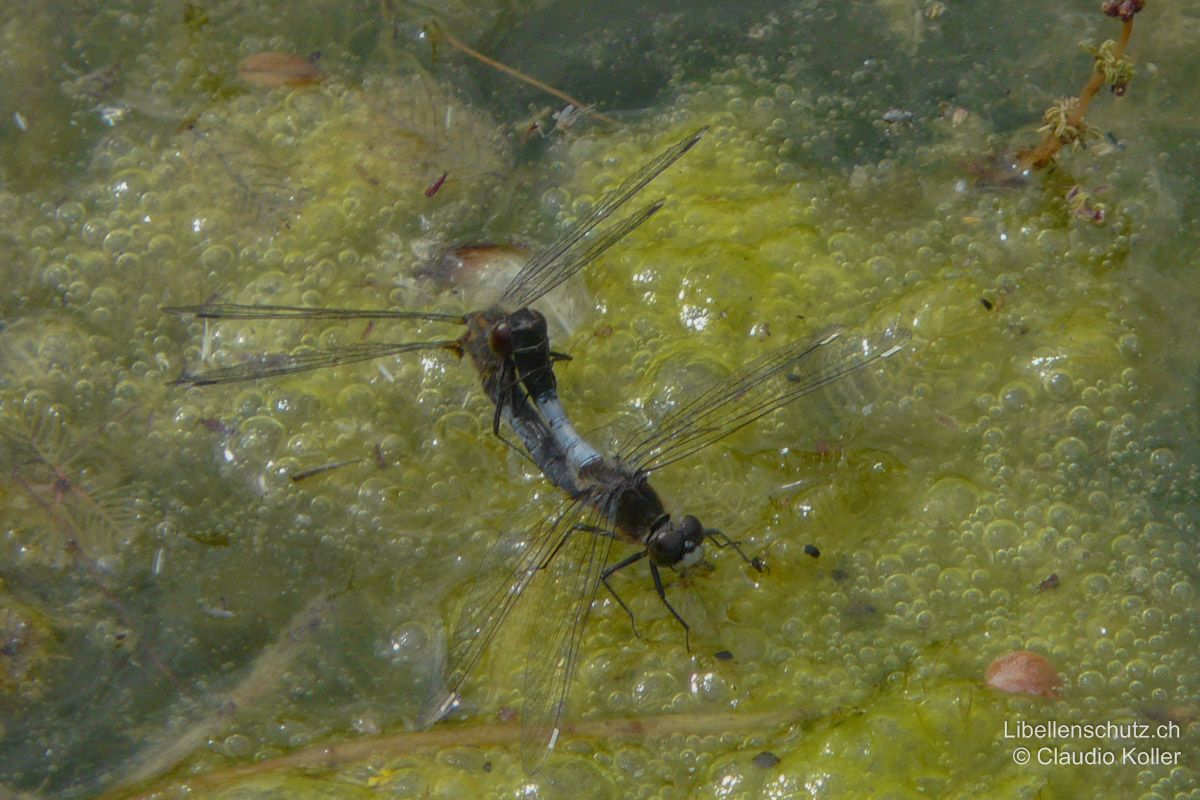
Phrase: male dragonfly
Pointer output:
(611, 498)
(488, 340)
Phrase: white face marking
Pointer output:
(691, 556)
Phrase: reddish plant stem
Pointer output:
(1044, 153)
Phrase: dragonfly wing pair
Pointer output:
(765, 384)
(559, 561)
(546, 269)
(562, 559)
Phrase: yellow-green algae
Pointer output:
(249, 617)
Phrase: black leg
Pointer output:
(505, 385)
(510, 394)
(604, 576)
(721, 540)
(662, 595)
(580, 528)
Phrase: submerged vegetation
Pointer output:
(246, 589)
(1065, 124)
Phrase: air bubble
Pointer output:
(259, 438)
(161, 246)
(1097, 585)
(237, 745)
(94, 230)
(216, 257)
(1081, 419)
(70, 212)
(1070, 450)
(1130, 345)
(1001, 535)
(1015, 397)
(118, 241)
(555, 199)
(1162, 457)
(1060, 515)
(1058, 384)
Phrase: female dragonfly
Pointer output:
(487, 340)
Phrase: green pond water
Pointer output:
(181, 618)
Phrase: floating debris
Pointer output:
(568, 116)
(1024, 672)
(432, 189)
(272, 70)
(1051, 582)
(897, 116)
(308, 473)
(472, 263)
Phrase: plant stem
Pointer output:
(331, 756)
(1044, 153)
(521, 76)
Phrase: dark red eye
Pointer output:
(500, 339)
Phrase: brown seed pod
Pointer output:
(273, 70)
(1024, 672)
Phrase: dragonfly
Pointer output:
(565, 558)
(490, 332)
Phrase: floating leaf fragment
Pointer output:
(1024, 672)
(273, 69)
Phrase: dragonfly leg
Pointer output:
(658, 588)
(604, 576)
(662, 595)
(510, 395)
(506, 396)
(721, 540)
(577, 528)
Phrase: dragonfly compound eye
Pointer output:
(678, 546)
(500, 339)
(692, 534)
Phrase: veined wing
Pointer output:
(275, 364)
(518, 557)
(562, 603)
(578, 259)
(758, 388)
(552, 265)
(240, 311)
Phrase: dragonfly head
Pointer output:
(677, 546)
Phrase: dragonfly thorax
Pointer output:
(678, 546)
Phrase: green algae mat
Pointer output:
(981, 559)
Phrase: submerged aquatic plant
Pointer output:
(41, 457)
(1064, 121)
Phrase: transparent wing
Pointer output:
(516, 558)
(580, 258)
(274, 364)
(240, 311)
(561, 606)
(552, 265)
(758, 388)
